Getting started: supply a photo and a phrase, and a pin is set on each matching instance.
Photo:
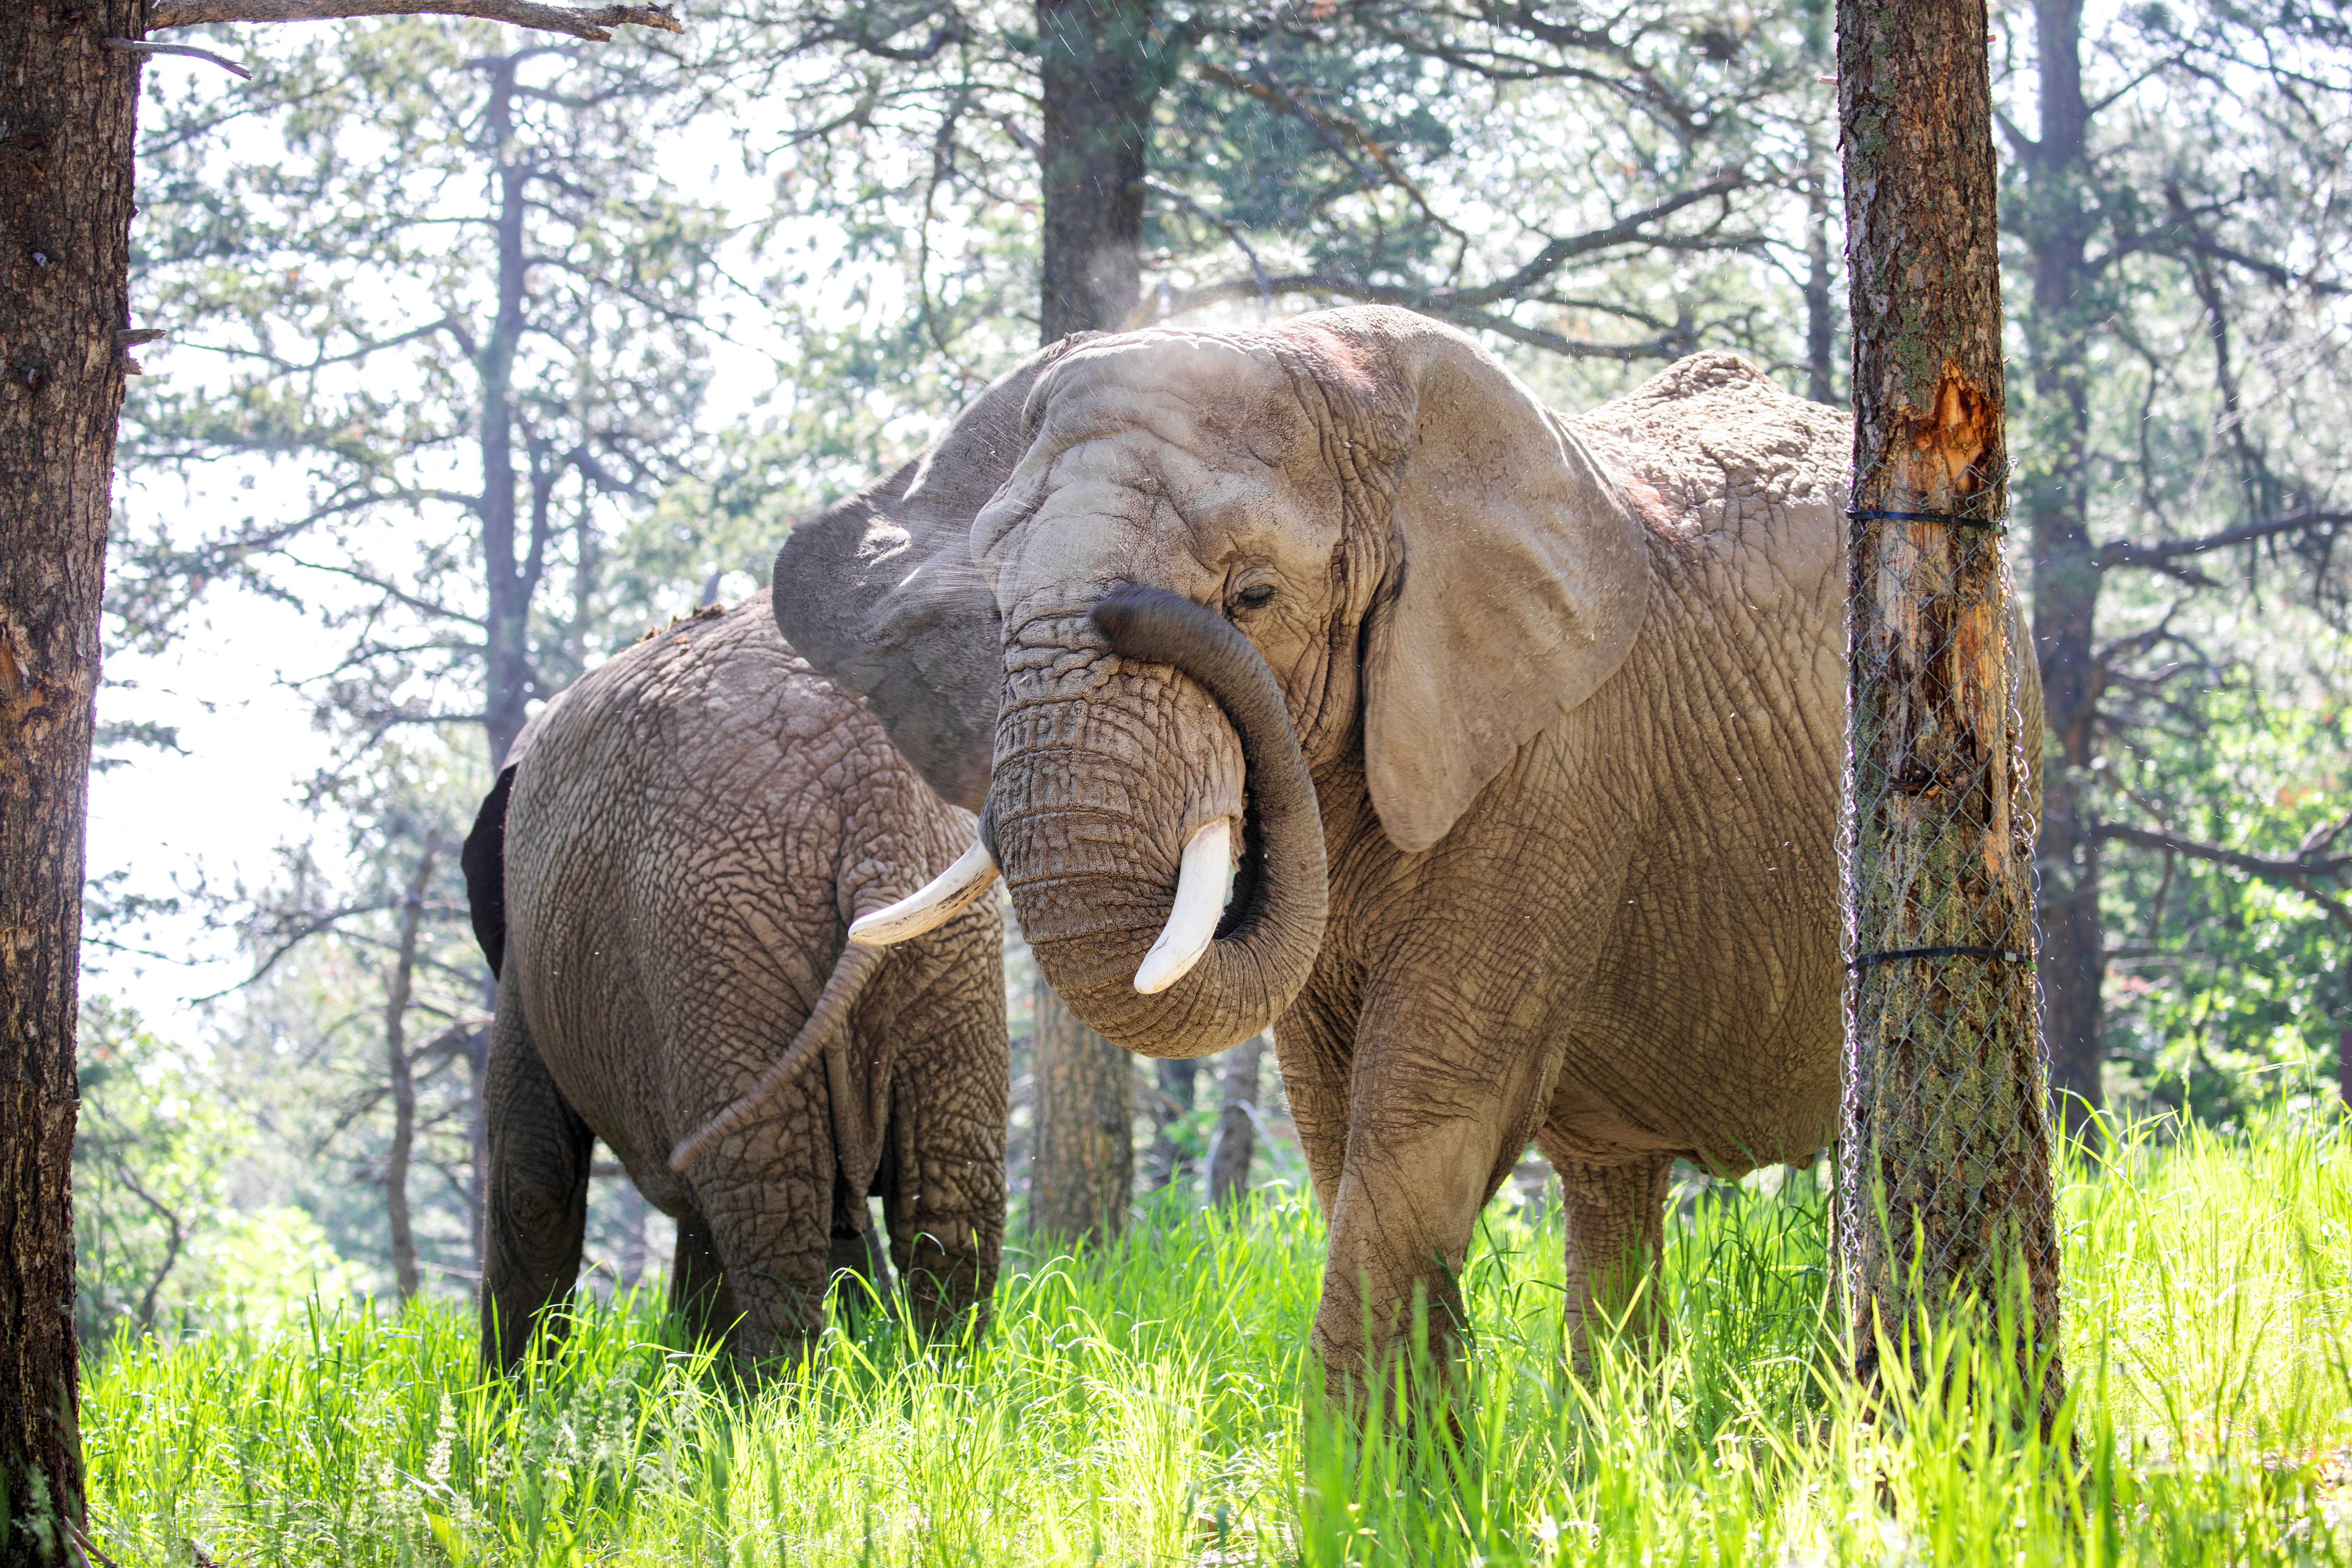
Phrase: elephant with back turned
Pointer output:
(1526, 732)
(663, 879)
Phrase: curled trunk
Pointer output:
(1100, 762)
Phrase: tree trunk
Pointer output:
(2057, 227)
(1099, 71)
(631, 1261)
(512, 566)
(478, 1136)
(67, 114)
(1082, 1167)
(1821, 324)
(1947, 1149)
(1175, 1078)
(1233, 1143)
(403, 1082)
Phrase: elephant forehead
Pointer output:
(1193, 392)
(1131, 505)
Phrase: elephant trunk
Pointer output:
(1088, 815)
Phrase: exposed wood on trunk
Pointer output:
(66, 124)
(401, 1069)
(1947, 1147)
(1082, 1167)
(1234, 1143)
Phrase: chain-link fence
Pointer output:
(1946, 1182)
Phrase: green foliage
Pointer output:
(1149, 1404)
(158, 1237)
(2227, 990)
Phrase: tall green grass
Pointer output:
(1145, 1404)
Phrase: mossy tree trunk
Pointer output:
(1947, 1150)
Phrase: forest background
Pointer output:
(488, 353)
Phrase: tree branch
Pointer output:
(593, 26)
(2297, 873)
(2158, 553)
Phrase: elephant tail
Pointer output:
(484, 860)
(826, 1021)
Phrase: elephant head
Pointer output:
(1181, 582)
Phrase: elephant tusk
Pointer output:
(933, 904)
(1201, 883)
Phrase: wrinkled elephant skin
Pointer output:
(1563, 704)
(686, 835)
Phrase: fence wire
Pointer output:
(1944, 1181)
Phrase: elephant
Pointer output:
(1318, 674)
(662, 879)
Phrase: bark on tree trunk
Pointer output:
(403, 1081)
(1082, 1167)
(1947, 1149)
(1098, 69)
(1174, 1079)
(631, 1261)
(478, 1134)
(1234, 1143)
(2057, 227)
(68, 112)
(1821, 324)
(513, 566)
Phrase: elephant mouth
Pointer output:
(1235, 943)
(1246, 900)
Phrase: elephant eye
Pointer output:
(1256, 596)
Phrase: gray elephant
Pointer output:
(662, 880)
(1518, 737)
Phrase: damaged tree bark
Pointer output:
(1947, 1168)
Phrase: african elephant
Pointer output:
(1526, 732)
(662, 880)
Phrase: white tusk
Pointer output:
(1201, 884)
(933, 904)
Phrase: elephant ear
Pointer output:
(880, 592)
(1521, 580)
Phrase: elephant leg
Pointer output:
(535, 1210)
(1313, 1044)
(768, 1193)
(1433, 1130)
(943, 1184)
(699, 1292)
(1616, 1234)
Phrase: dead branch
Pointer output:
(592, 25)
(140, 47)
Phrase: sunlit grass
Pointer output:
(1146, 1405)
